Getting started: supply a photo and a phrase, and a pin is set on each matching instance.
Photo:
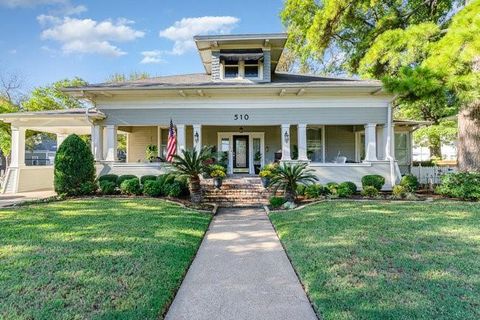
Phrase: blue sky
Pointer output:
(49, 40)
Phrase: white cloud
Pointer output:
(12, 51)
(87, 35)
(153, 56)
(182, 31)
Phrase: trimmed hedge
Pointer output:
(332, 187)
(124, 177)
(107, 187)
(74, 170)
(131, 187)
(152, 188)
(373, 180)
(108, 177)
(370, 192)
(277, 202)
(146, 178)
(314, 191)
(348, 185)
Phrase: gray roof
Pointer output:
(92, 113)
(204, 80)
(246, 36)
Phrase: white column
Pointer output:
(111, 143)
(302, 142)
(197, 137)
(159, 140)
(381, 141)
(60, 138)
(285, 142)
(18, 147)
(370, 142)
(97, 142)
(181, 143)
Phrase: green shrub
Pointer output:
(350, 185)
(108, 177)
(107, 187)
(373, 180)
(344, 191)
(399, 191)
(146, 178)
(152, 188)
(314, 191)
(125, 177)
(370, 192)
(301, 189)
(166, 178)
(332, 187)
(74, 171)
(410, 182)
(464, 185)
(182, 181)
(173, 190)
(88, 188)
(277, 202)
(131, 187)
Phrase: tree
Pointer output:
(51, 97)
(74, 170)
(190, 164)
(423, 50)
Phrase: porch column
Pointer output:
(18, 147)
(197, 137)
(286, 142)
(111, 143)
(97, 142)
(302, 142)
(60, 138)
(181, 144)
(370, 142)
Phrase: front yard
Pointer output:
(374, 260)
(99, 258)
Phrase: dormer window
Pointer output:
(241, 64)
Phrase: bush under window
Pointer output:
(131, 187)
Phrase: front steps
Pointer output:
(236, 191)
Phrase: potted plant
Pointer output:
(265, 174)
(151, 152)
(256, 162)
(218, 175)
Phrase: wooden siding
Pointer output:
(138, 140)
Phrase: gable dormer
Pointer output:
(241, 57)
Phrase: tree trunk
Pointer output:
(468, 149)
(195, 189)
(435, 150)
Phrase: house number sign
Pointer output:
(241, 116)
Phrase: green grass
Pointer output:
(95, 259)
(372, 260)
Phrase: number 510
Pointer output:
(241, 117)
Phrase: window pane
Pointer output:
(401, 140)
(257, 155)
(314, 144)
(251, 71)
(247, 62)
(231, 72)
(225, 147)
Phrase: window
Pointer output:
(315, 144)
(225, 147)
(251, 69)
(401, 148)
(231, 71)
(257, 154)
(163, 143)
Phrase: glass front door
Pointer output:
(240, 154)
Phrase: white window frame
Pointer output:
(241, 71)
(322, 128)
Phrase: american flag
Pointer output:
(172, 142)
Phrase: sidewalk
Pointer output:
(241, 272)
(7, 200)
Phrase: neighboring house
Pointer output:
(42, 154)
(342, 127)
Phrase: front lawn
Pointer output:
(372, 260)
(95, 259)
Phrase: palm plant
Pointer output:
(288, 176)
(191, 165)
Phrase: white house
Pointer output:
(342, 127)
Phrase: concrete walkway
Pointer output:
(7, 200)
(241, 272)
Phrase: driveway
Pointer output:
(241, 272)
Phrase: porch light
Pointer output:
(196, 137)
(240, 129)
(287, 136)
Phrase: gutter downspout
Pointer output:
(388, 153)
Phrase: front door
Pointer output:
(240, 154)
